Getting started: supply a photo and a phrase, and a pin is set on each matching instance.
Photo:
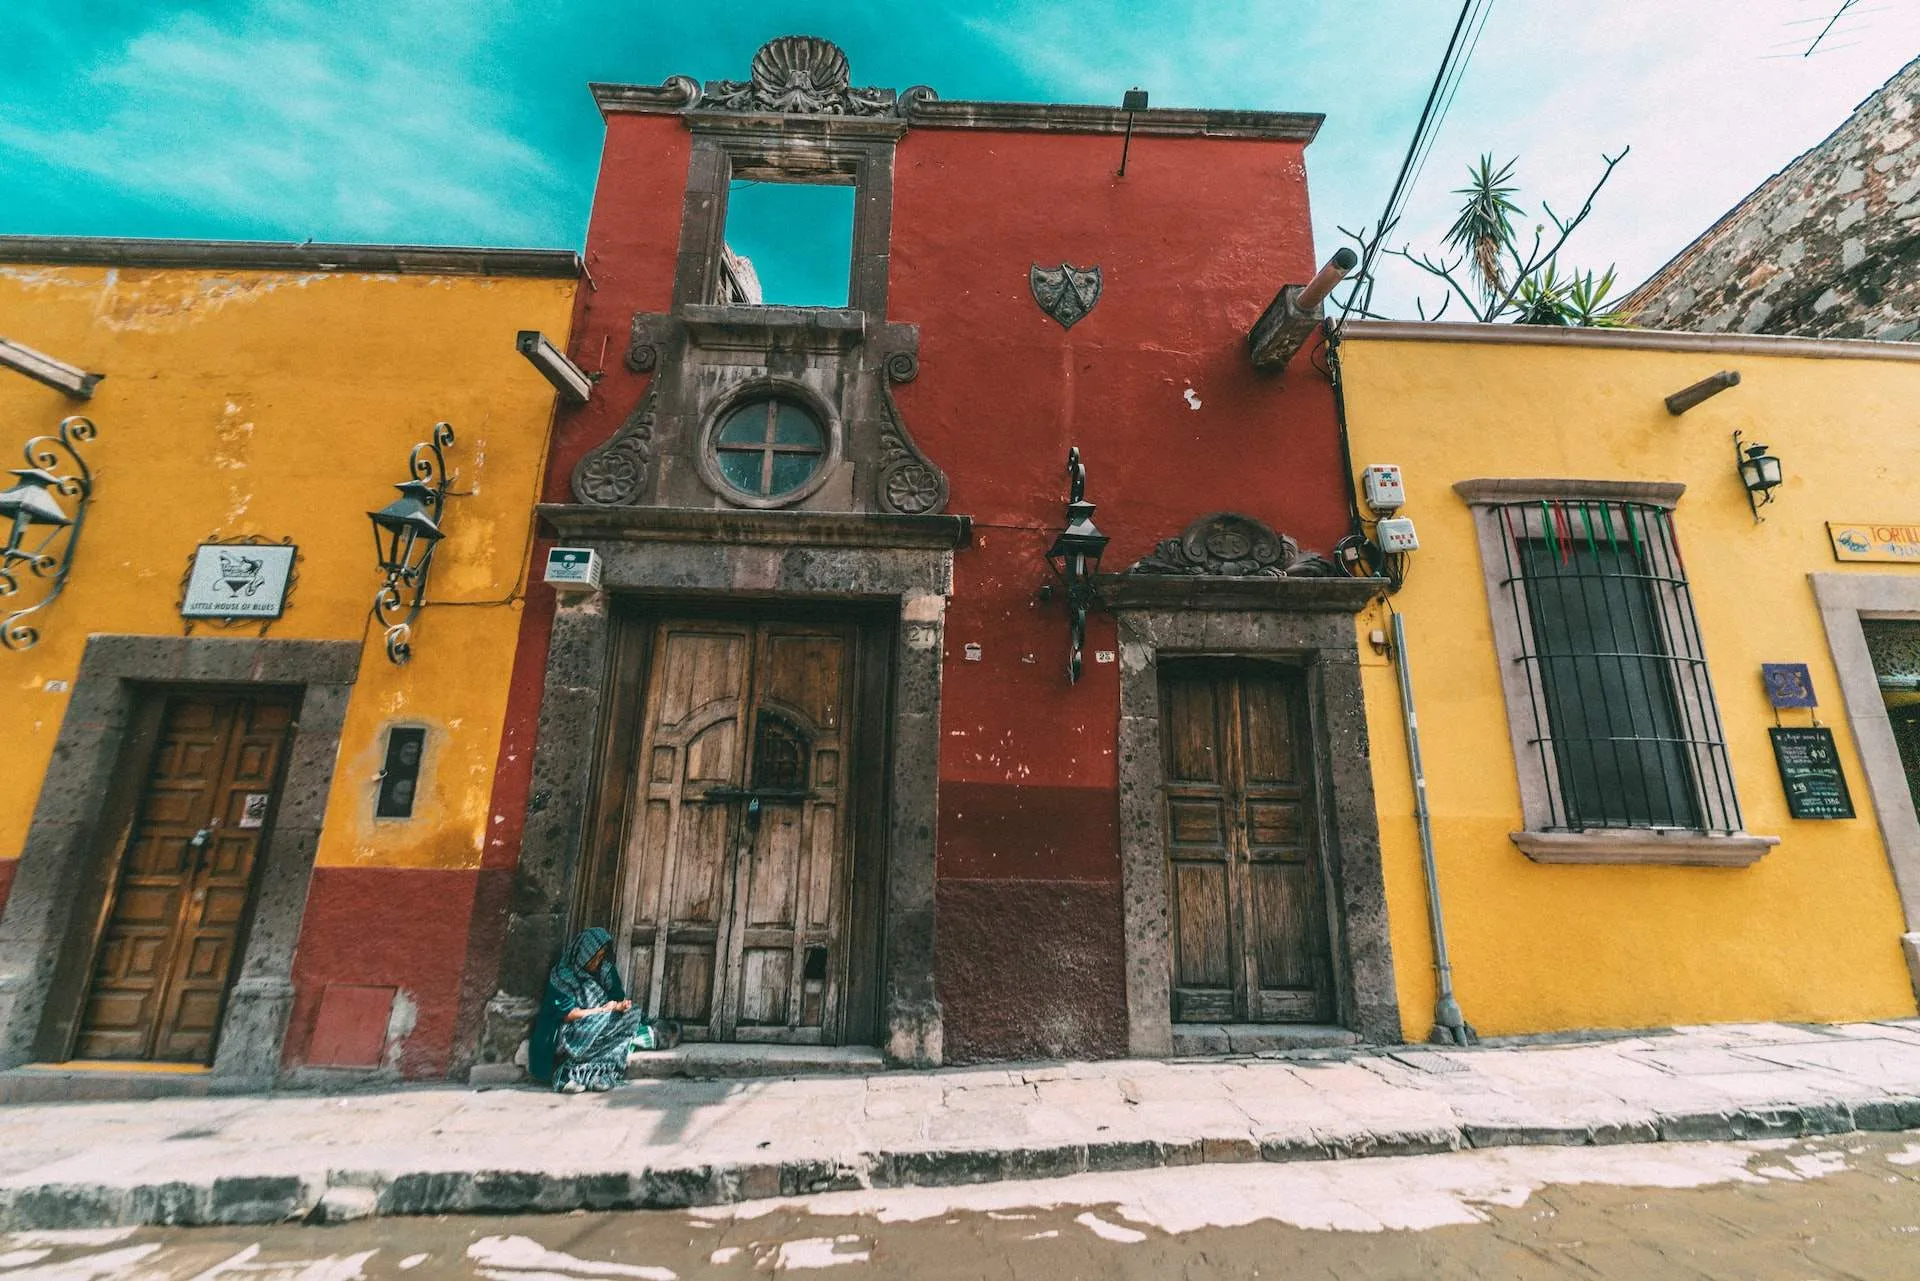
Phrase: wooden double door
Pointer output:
(735, 881)
(171, 929)
(1250, 934)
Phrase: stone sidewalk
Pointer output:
(660, 1144)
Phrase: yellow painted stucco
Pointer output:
(1810, 932)
(284, 403)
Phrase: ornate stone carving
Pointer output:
(615, 473)
(908, 483)
(1067, 293)
(1228, 545)
(800, 75)
(643, 348)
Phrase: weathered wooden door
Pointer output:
(1250, 938)
(169, 945)
(735, 869)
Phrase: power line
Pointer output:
(1439, 97)
(1838, 14)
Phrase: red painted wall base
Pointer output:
(1031, 969)
(399, 927)
(7, 866)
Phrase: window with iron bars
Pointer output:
(1623, 715)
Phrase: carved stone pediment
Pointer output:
(705, 358)
(797, 75)
(1229, 545)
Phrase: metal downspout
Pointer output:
(1449, 1025)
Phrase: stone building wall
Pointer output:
(1829, 247)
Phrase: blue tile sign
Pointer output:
(1788, 684)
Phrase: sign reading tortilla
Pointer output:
(238, 580)
(1863, 540)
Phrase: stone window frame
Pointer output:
(1844, 600)
(1304, 624)
(1624, 845)
(63, 868)
(846, 150)
(773, 387)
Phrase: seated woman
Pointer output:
(587, 1026)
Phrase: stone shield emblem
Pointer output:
(1067, 293)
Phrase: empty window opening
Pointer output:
(788, 244)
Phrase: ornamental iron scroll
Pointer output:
(1067, 293)
(798, 75)
(406, 534)
(907, 483)
(1229, 545)
(55, 471)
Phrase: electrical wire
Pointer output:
(1446, 80)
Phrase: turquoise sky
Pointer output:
(470, 123)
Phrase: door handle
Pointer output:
(198, 844)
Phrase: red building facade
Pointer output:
(812, 750)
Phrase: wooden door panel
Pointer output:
(749, 900)
(171, 941)
(1249, 932)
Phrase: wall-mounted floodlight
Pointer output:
(567, 378)
(1712, 385)
(1135, 99)
(42, 368)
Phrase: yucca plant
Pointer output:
(1484, 228)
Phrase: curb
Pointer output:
(339, 1196)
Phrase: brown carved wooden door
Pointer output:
(734, 879)
(170, 941)
(1250, 939)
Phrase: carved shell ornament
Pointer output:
(799, 75)
(1229, 545)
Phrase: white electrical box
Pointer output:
(1380, 485)
(1396, 536)
(573, 569)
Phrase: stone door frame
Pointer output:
(903, 563)
(1844, 600)
(62, 880)
(1303, 623)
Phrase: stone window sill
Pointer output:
(1645, 847)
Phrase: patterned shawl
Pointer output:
(571, 979)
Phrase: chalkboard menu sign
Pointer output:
(1810, 773)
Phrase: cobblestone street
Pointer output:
(1842, 1206)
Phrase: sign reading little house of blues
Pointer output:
(238, 580)
(1864, 540)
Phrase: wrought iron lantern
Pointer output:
(405, 533)
(33, 502)
(1759, 471)
(1075, 558)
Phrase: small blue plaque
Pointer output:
(1788, 684)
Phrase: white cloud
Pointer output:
(292, 119)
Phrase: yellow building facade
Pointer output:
(261, 397)
(1587, 618)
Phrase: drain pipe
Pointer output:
(1449, 1025)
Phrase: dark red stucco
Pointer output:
(1154, 387)
(404, 927)
(1192, 244)
(7, 867)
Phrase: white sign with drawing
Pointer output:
(238, 580)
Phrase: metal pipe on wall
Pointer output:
(1450, 1027)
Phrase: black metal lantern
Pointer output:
(1760, 473)
(1075, 558)
(34, 501)
(405, 533)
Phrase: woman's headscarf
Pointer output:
(579, 985)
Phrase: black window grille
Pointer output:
(1623, 714)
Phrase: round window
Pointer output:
(769, 447)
